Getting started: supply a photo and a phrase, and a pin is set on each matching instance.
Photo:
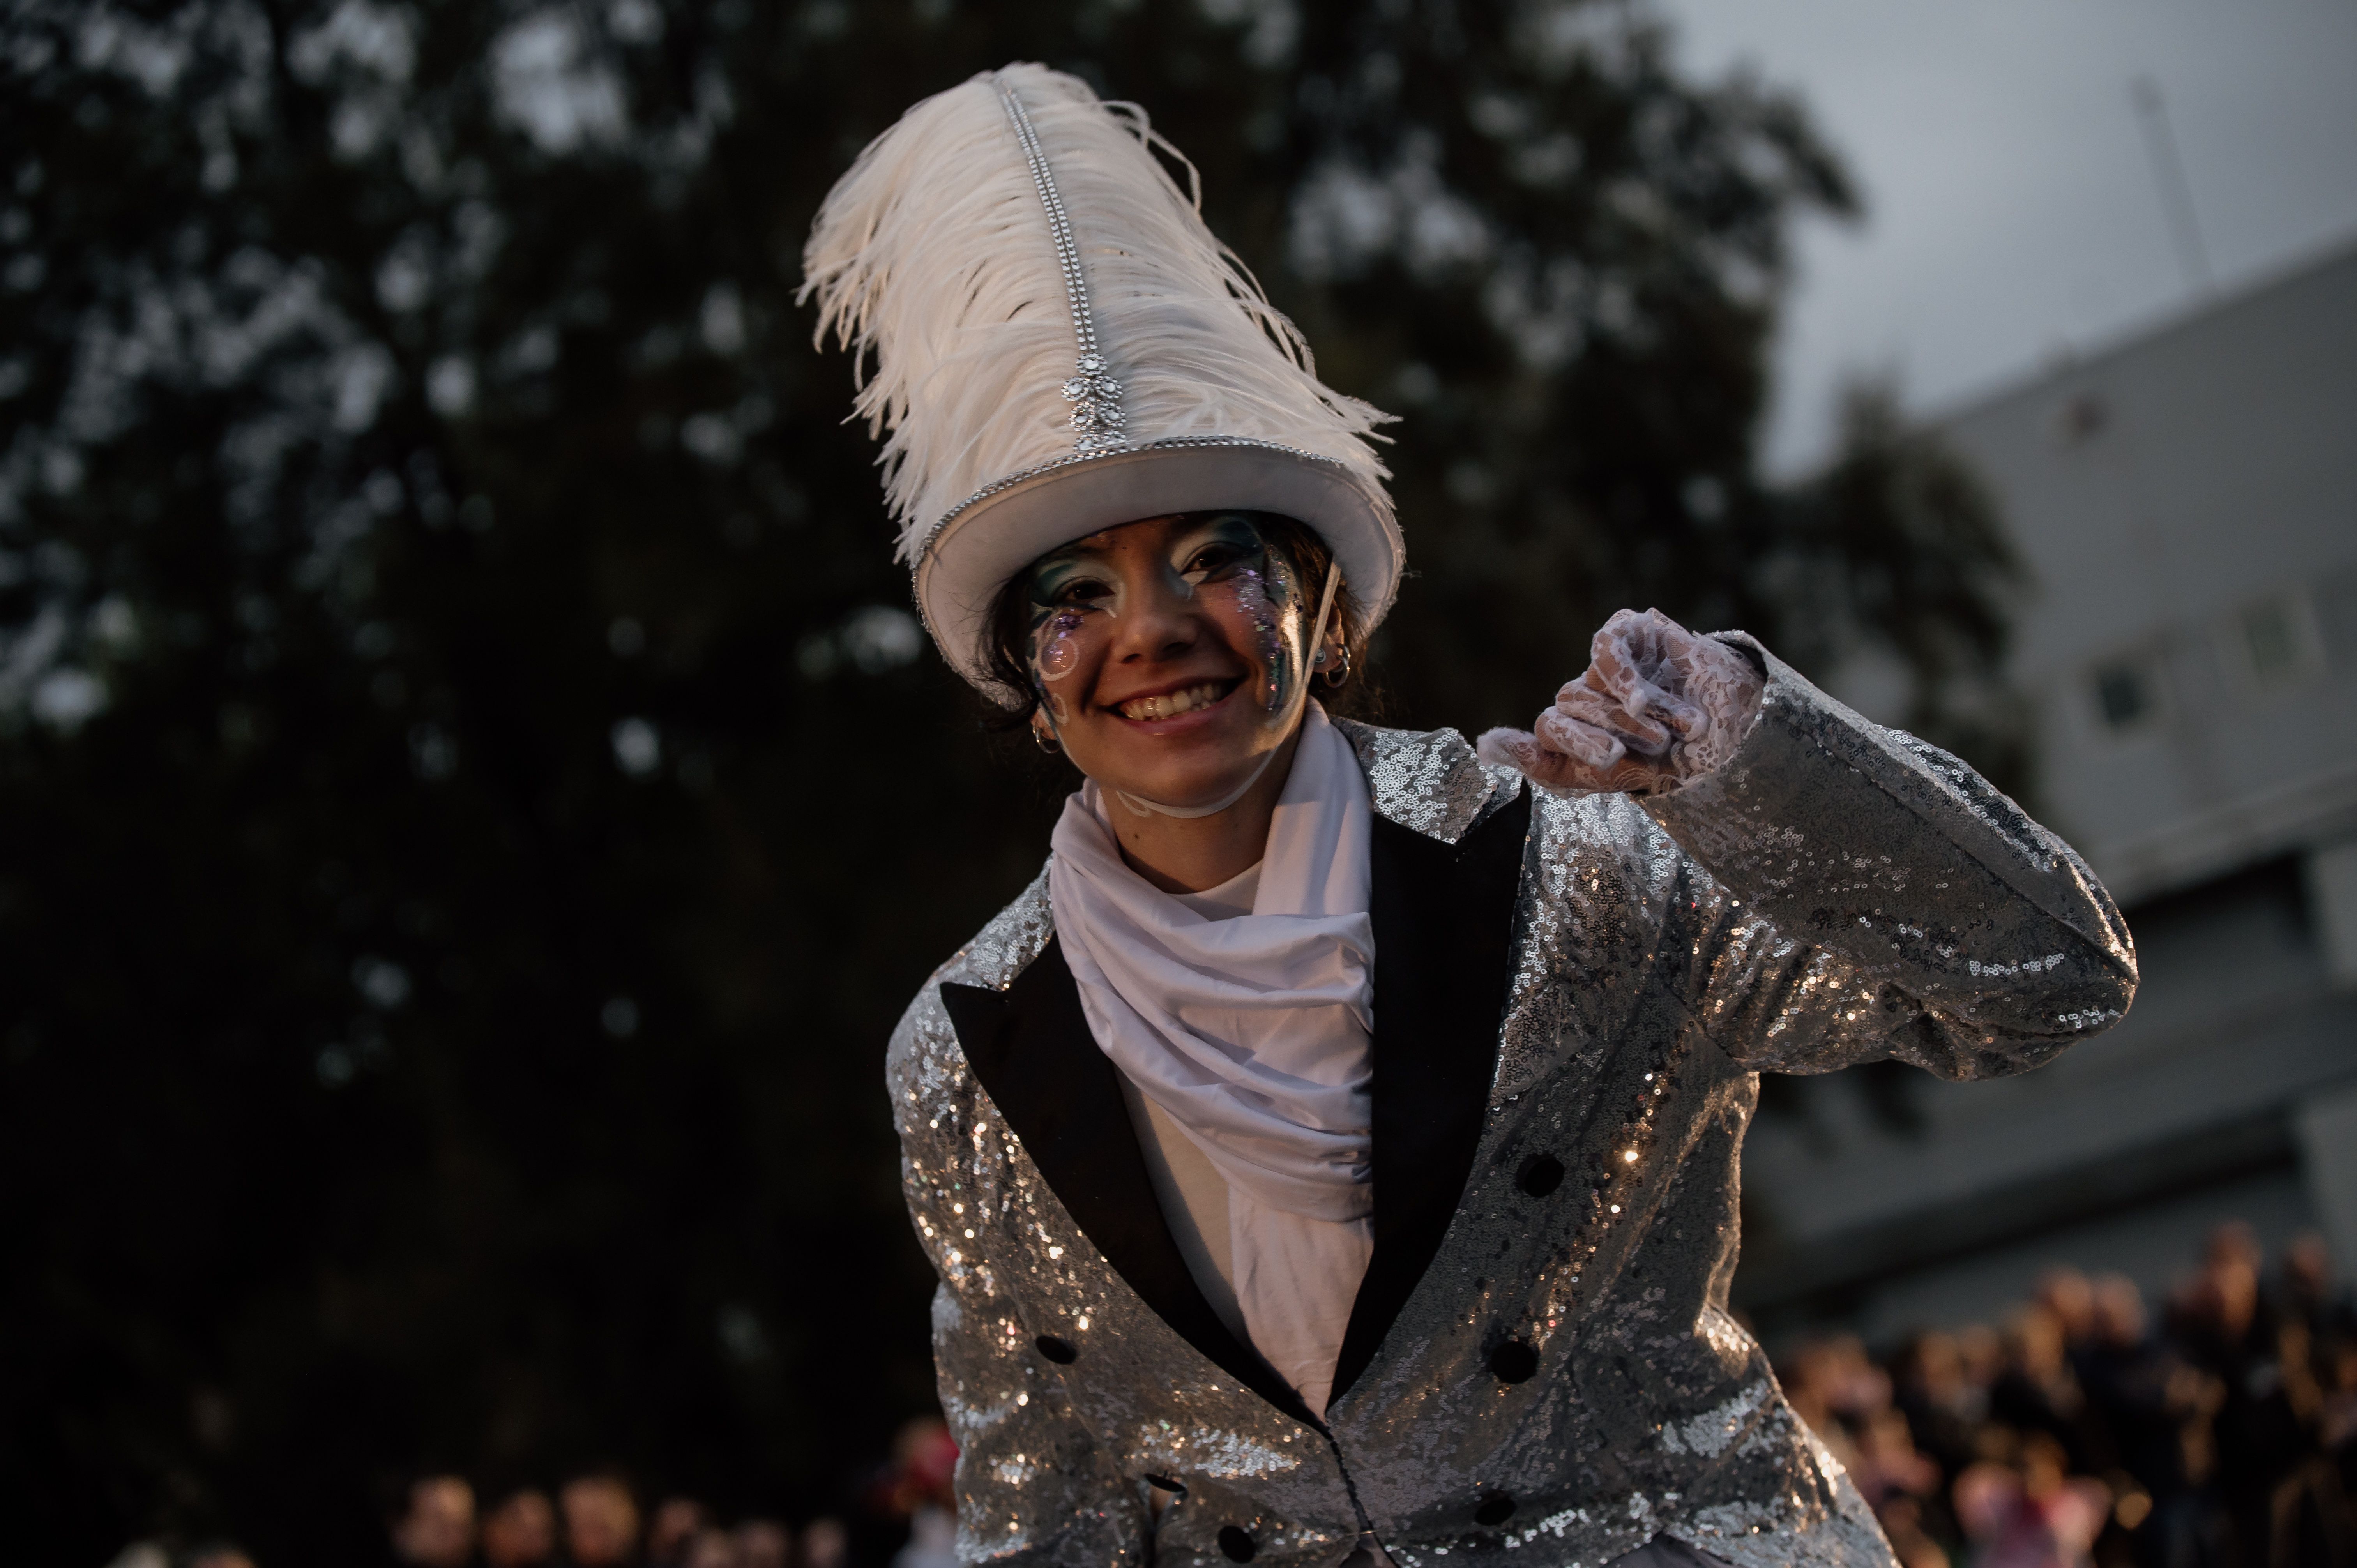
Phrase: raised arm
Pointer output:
(1860, 894)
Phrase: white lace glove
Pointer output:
(1657, 706)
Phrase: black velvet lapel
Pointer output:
(1444, 917)
(1031, 1047)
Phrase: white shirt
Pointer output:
(1242, 1016)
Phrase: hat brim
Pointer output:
(983, 544)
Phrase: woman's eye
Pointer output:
(1212, 561)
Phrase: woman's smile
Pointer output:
(1155, 711)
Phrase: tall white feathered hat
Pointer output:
(1060, 346)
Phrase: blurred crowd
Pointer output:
(2218, 1431)
(597, 1520)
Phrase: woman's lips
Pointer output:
(1163, 707)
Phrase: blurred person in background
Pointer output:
(2340, 1424)
(924, 1466)
(1833, 1386)
(2034, 1514)
(1888, 1464)
(710, 1549)
(1981, 1348)
(932, 1541)
(1903, 1486)
(2288, 1379)
(765, 1543)
(601, 1520)
(1944, 1408)
(1912, 1541)
(2305, 1290)
(437, 1528)
(219, 1554)
(1849, 1403)
(1855, 1388)
(1810, 1374)
(2268, 1417)
(2157, 1408)
(522, 1532)
(2327, 1319)
(1153, 557)
(918, 1486)
(2037, 1390)
(673, 1529)
(825, 1544)
(2070, 1297)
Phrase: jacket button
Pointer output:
(1513, 1361)
(1235, 1545)
(1540, 1174)
(1061, 1351)
(1496, 1509)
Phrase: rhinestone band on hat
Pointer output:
(1108, 449)
(1093, 393)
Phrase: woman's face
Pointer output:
(1170, 655)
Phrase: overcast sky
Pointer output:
(2013, 210)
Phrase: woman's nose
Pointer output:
(1161, 623)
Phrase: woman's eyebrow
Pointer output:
(1079, 550)
(1060, 568)
(1232, 530)
(1057, 564)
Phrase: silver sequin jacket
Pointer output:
(1573, 1000)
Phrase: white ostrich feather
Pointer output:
(934, 260)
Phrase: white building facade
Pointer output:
(2186, 504)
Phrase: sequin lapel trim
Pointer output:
(1444, 917)
(1031, 1047)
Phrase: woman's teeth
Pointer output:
(1170, 704)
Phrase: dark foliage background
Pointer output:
(472, 800)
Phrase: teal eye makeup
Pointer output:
(1217, 548)
(1064, 592)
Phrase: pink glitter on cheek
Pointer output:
(1252, 597)
(1057, 649)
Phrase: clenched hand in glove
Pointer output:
(1657, 706)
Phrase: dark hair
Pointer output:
(1009, 664)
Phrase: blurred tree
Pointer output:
(1895, 552)
(472, 797)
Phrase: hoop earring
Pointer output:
(1335, 677)
(1046, 740)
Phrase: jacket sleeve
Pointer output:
(1033, 1487)
(1866, 895)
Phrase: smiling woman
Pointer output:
(1331, 1159)
(1172, 659)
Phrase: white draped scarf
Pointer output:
(1252, 1032)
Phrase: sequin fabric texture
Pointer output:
(1564, 1384)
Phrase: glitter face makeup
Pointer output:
(1171, 654)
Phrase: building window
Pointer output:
(2278, 638)
(2080, 419)
(2125, 695)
